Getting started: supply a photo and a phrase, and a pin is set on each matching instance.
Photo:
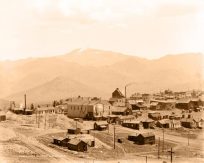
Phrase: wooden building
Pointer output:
(133, 124)
(86, 109)
(188, 123)
(164, 123)
(101, 125)
(74, 131)
(116, 110)
(2, 117)
(122, 119)
(145, 138)
(162, 104)
(148, 123)
(155, 116)
(77, 145)
(133, 137)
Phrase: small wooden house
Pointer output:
(145, 138)
(164, 123)
(133, 124)
(58, 141)
(2, 117)
(100, 125)
(121, 119)
(77, 145)
(175, 123)
(28, 112)
(155, 116)
(119, 110)
(188, 123)
(74, 131)
(133, 137)
(148, 123)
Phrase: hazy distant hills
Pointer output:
(94, 72)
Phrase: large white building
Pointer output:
(86, 109)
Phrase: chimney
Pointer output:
(25, 102)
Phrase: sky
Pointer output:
(145, 28)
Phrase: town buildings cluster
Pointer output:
(139, 111)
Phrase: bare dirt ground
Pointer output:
(22, 141)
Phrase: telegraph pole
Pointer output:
(25, 103)
(171, 152)
(163, 142)
(36, 115)
(38, 120)
(45, 121)
(188, 137)
(114, 137)
(158, 148)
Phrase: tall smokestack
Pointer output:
(25, 102)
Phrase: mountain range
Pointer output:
(93, 72)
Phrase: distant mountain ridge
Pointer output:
(93, 72)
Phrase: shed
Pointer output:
(119, 110)
(100, 125)
(164, 123)
(148, 123)
(145, 138)
(133, 137)
(28, 112)
(74, 131)
(58, 141)
(188, 123)
(133, 124)
(77, 145)
(154, 115)
(2, 117)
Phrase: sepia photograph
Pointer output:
(101, 81)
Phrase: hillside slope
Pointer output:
(97, 73)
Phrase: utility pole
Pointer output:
(76, 124)
(171, 152)
(36, 116)
(45, 121)
(146, 159)
(188, 137)
(25, 103)
(114, 136)
(159, 148)
(38, 120)
(163, 141)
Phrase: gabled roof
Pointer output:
(147, 134)
(164, 121)
(74, 141)
(100, 123)
(148, 120)
(183, 101)
(59, 138)
(46, 108)
(134, 122)
(187, 120)
(119, 109)
(119, 92)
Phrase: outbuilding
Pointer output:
(77, 145)
(148, 123)
(133, 124)
(2, 117)
(145, 138)
(100, 125)
(164, 123)
(74, 131)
